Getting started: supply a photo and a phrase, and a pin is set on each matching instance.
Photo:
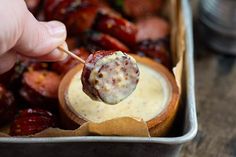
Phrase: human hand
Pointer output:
(21, 33)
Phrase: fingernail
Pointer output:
(58, 54)
(56, 29)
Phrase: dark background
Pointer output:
(215, 77)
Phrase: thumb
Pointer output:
(41, 38)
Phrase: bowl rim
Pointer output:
(157, 122)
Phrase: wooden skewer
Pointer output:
(71, 54)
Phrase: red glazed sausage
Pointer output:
(141, 8)
(40, 88)
(31, 121)
(109, 76)
(78, 16)
(117, 27)
(12, 78)
(152, 28)
(157, 50)
(106, 42)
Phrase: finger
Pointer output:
(40, 38)
(7, 61)
(55, 55)
(12, 18)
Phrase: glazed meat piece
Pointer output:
(152, 39)
(117, 27)
(109, 76)
(7, 105)
(152, 28)
(31, 121)
(106, 42)
(12, 78)
(64, 66)
(40, 88)
(157, 50)
(137, 8)
(77, 15)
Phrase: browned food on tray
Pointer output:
(64, 66)
(40, 88)
(152, 39)
(7, 105)
(117, 27)
(31, 121)
(109, 76)
(13, 77)
(152, 28)
(106, 42)
(100, 32)
(155, 49)
(137, 8)
(78, 16)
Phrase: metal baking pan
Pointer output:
(120, 146)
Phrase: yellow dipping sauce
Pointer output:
(150, 98)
